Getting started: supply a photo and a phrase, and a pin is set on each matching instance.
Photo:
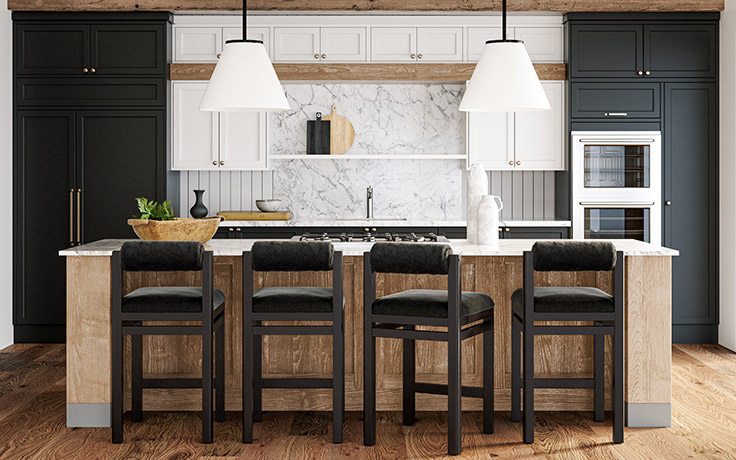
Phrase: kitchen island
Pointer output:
(648, 300)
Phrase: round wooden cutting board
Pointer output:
(342, 133)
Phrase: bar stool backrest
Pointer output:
(292, 256)
(411, 258)
(161, 256)
(565, 256)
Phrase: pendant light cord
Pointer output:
(503, 19)
(245, 20)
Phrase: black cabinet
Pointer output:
(690, 218)
(606, 51)
(680, 51)
(86, 145)
(536, 233)
(615, 101)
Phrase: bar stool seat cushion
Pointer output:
(293, 300)
(429, 303)
(168, 300)
(565, 300)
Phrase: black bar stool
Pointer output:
(291, 304)
(588, 304)
(205, 304)
(397, 316)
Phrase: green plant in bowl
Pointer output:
(155, 211)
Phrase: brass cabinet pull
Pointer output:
(85, 70)
(79, 216)
(507, 229)
(222, 162)
(324, 56)
(412, 55)
(316, 56)
(511, 163)
(419, 56)
(219, 55)
(214, 163)
(71, 217)
(640, 73)
(237, 229)
(518, 163)
(647, 73)
(500, 229)
(93, 70)
(229, 229)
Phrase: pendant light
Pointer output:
(504, 80)
(244, 79)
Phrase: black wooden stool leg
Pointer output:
(515, 370)
(117, 383)
(136, 391)
(369, 386)
(599, 357)
(338, 379)
(257, 376)
(220, 371)
(488, 382)
(409, 365)
(207, 419)
(618, 383)
(454, 390)
(528, 382)
(248, 365)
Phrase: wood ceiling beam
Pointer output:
(562, 6)
(366, 72)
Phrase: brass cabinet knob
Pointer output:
(647, 73)
(668, 203)
(366, 229)
(237, 229)
(85, 70)
(93, 70)
(419, 56)
(640, 72)
(500, 229)
(324, 56)
(518, 163)
(219, 55)
(222, 163)
(316, 56)
(412, 55)
(229, 229)
(511, 163)
(373, 230)
(214, 163)
(507, 229)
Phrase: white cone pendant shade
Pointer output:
(244, 81)
(504, 80)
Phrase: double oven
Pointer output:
(617, 185)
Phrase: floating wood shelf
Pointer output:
(366, 72)
(561, 6)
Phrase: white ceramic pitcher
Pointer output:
(477, 187)
(488, 220)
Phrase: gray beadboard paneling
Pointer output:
(528, 195)
(225, 190)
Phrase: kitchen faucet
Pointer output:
(369, 198)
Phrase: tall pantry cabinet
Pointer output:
(90, 136)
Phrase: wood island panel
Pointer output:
(561, 6)
(648, 360)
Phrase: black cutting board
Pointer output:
(318, 136)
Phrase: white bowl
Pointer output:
(268, 205)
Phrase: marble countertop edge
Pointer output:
(385, 223)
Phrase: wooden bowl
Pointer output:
(180, 229)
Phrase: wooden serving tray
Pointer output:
(255, 215)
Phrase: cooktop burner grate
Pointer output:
(368, 237)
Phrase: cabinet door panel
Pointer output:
(197, 44)
(690, 181)
(243, 140)
(254, 33)
(491, 140)
(538, 135)
(195, 133)
(440, 44)
(537, 233)
(478, 36)
(44, 214)
(615, 101)
(396, 44)
(57, 49)
(124, 49)
(544, 44)
(343, 43)
(680, 51)
(606, 51)
(296, 44)
(120, 156)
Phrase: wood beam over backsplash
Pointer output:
(561, 6)
(366, 72)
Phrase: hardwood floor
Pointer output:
(32, 424)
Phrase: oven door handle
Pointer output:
(618, 204)
(616, 141)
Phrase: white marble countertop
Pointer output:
(227, 247)
(385, 223)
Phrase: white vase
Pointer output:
(488, 217)
(477, 187)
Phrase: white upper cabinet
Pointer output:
(523, 141)
(440, 44)
(204, 141)
(195, 133)
(544, 44)
(296, 44)
(254, 33)
(243, 141)
(394, 44)
(477, 37)
(343, 44)
(197, 44)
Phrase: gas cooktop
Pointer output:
(368, 237)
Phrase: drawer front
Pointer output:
(90, 91)
(615, 101)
